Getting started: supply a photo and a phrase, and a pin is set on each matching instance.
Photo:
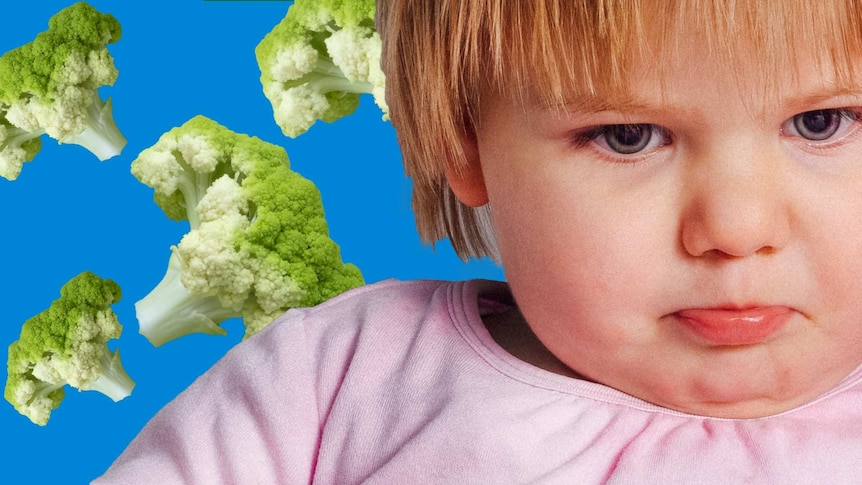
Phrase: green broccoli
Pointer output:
(50, 86)
(67, 345)
(318, 60)
(258, 243)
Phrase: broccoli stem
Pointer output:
(327, 77)
(328, 84)
(113, 382)
(45, 391)
(193, 187)
(102, 136)
(169, 311)
(17, 137)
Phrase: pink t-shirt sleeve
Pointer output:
(223, 430)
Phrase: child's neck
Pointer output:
(511, 332)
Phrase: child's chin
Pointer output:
(744, 398)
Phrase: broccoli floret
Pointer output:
(49, 86)
(16, 147)
(318, 60)
(258, 243)
(67, 345)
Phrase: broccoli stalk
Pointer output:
(50, 86)
(101, 137)
(257, 245)
(318, 60)
(113, 381)
(66, 344)
(169, 311)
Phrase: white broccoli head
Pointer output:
(180, 169)
(198, 153)
(37, 399)
(357, 53)
(293, 61)
(297, 108)
(16, 147)
(61, 118)
(213, 262)
(157, 166)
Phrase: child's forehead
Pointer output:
(593, 57)
(675, 90)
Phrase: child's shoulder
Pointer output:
(376, 303)
(390, 315)
(385, 294)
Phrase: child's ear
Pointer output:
(467, 182)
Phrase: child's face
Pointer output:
(717, 267)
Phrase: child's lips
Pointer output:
(735, 325)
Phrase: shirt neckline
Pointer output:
(463, 300)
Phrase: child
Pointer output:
(674, 190)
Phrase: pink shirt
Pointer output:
(399, 382)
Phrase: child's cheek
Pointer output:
(584, 261)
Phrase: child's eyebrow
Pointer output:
(826, 95)
(594, 103)
(590, 103)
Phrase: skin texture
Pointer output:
(729, 206)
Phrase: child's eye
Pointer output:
(822, 124)
(628, 139)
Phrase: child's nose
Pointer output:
(736, 206)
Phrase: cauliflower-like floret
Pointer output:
(318, 60)
(258, 242)
(64, 104)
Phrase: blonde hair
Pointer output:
(440, 56)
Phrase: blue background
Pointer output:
(68, 212)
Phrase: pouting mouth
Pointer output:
(734, 324)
